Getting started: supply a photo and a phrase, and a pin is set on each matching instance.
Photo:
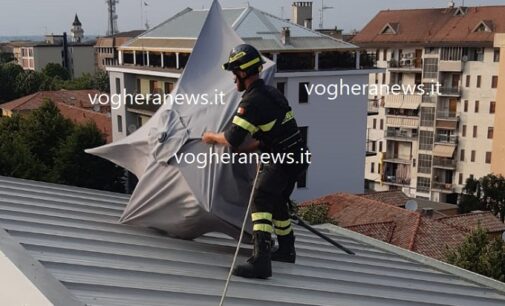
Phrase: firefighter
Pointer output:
(265, 114)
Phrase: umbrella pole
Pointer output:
(302, 223)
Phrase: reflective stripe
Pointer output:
(283, 232)
(284, 223)
(262, 228)
(246, 125)
(268, 126)
(289, 116)
(250, 63)
(261, 216)
(236, 56)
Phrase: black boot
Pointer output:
(286, 251)
(259, 265)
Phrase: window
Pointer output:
(382, 124)
(302, 180)
(380, 146)
(465, 108)
(467, 81)
(372, 168)
(475, 131)
(476, 106)
(424, 163)
(462, 155)
(118, 86)
(374, 123)
(490, 132)
(488, 157)
(427, 116)
(479, 81)
(425, 140)
(460, 179)
(281, 86)
(494, 81)
(379, 169)
(496, 57)
(303, 95)
(169, 86)
(139, 86)
(463, 130)
(120, 124)
(492, 107)
(472, 156)
(374, 146)
(431, 68)
(385, 55)
(423, 184)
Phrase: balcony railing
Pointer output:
(449, 187)
(397, 158)
(411, 63)
(447, 114)
(446, 139)
(444, 162)
(396, 180)
(402, 121)
(450, 91)
(373, 107)
(400, 134)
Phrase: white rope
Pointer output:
(223, 296)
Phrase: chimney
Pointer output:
(427, 212)
(302, 13)
(285, 36)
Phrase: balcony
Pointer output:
(450, 66)
(393, 180)
(402, 121)
(444, 163)
(408, 64)
(447, 115)
(402, 135)
(442, 187)
(397, 158)
(446, 139)
(373, 107)
(446, 91)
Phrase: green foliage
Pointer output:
(47, 147)
(480, 254)
(8, 77)
(487, 193)
(28, 83)
(315, 213)
(6, 57)
(53, 70)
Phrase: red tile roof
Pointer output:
(73, 104)
(438, 26)
(392, 224)
(393, 197)
(468, 222)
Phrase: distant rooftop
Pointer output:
(259, 28)
(469, 26)
(67, 242)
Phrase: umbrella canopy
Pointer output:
(183, 198)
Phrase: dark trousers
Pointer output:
(273, 189)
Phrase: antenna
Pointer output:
(321, 11)
(112, 27)
(411, 205)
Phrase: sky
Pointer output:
(40, 17)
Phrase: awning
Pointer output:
(443, 150)
(403, 101)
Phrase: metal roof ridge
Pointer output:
(419, 258)
(182, 12)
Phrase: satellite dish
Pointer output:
(132, 128)
(411, 205)
(96, 108)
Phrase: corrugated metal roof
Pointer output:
(73, 233)
(254, 26)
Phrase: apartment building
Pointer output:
(79, 58)
(428, 145)
(106, 48)
(498, 164)
(334, 130)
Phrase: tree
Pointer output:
(28, 83)
(8, 81)
(480, 254)
(6, 57)
(53, 70)
(75, 167)
(43, 131)
(101, 81)
(487, 193)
